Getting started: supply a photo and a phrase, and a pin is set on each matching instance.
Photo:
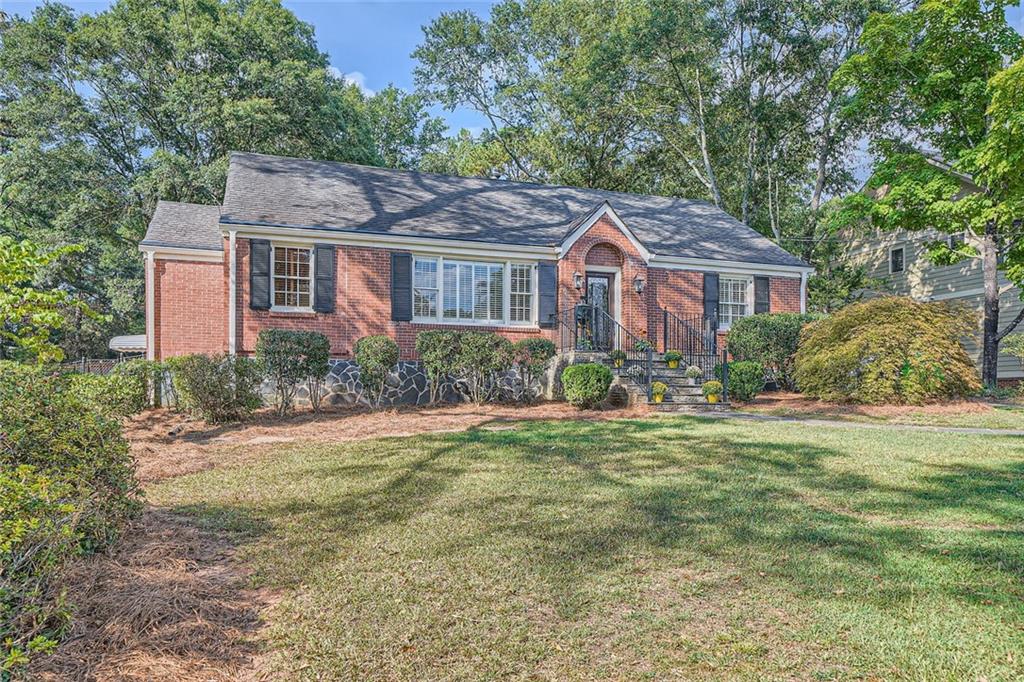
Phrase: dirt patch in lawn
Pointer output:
(168, 444)
(170, 603)
(796, 403)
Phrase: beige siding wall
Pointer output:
(960, 283)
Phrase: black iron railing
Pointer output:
(695, 337)
(586, 328)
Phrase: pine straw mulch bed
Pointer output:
(796, 403)
(170, 602)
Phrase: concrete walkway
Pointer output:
(732, 414)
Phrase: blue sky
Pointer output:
(371, 42)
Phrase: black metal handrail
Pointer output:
(695, 337)
(584, 328)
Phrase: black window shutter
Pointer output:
(762, 295)
(401, 287)
(547, 284)
(711, 295)
(259, 274)
(323, 270)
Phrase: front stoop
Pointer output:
(684, 394)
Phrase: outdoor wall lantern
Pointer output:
(577, 280)
(639, 284)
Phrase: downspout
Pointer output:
(232, 285)
(150, 306)
(803, 292)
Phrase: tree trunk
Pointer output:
(990, 323)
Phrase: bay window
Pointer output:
(471, 292)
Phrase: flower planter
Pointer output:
(712, 398)
(673, 364)
(618, 363)
(658, 397)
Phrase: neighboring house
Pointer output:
(900, 260)
(351, 250)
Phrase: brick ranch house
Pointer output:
(352, 250)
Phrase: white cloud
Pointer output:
(355, 77)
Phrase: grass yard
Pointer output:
(640, 549)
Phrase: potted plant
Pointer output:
(672, 357)
(712, 390)
(658, 391)
(642, 345)
(694, 372)
(618, 357)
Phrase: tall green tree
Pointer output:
(940, 86)
(101, 115)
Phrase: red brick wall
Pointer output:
(785, 294)
(190, 301)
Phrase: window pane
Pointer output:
(497, 292)
(425, 274)
(425, 302)
(466, 292)
(451, 290)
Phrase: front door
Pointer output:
(599, 291)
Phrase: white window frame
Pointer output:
(889, 264)
(749, 288)
(506, 293)
(273, 280)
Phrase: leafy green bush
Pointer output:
(317, 363)
(770, 339)
(531, 357)
(116, 395)
(290, 357)
(376, 356)
(439, 352)
(149, 374)
(38, 537)
(482, 357)
(1014, 345)
(888, 350)
(217, 388)
(746, 380)
(586, 385)
(46, 426)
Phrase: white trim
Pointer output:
(902, 248)
(150, 306)
(803, 293)
(605, 210)
(425, 245)
(727, 267)
(506, 313)
(232, 292)
(312, 279)
(180, 253)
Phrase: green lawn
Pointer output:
(652, 549)
(999, 417)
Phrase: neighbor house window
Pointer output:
(732, 299)
(292, 277)
(896, 260)
(470, 292)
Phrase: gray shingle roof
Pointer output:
(192, 226)
(274, 190)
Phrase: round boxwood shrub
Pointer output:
(770, 339)
(586, 385)
(746, 380)
(888, 350)
(483, 357)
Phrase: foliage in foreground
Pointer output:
(217, 388)
(67, 485)
(586, 385)
(288, 358)
(746, 380)
(770, 339)
(888, 350)
(376, 356)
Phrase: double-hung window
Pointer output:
(733, 296)
(471, 292)
(293, 275)
(896, 260)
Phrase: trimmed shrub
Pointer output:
(317, 363)
(117, 395)
(586, 385)
(46, 426)
(888, 350)
(376, 356)
(439, 352)
(746, 380)
(217, 388)
(532, 357)
(38, 537)
(290, 357)
(483, 356)
(772, 340)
